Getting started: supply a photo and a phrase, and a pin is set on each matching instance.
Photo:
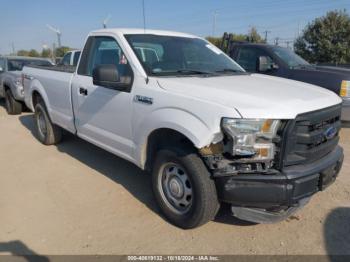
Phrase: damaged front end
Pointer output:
(248, 147)
(249, 172)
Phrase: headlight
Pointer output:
(345, 88)
(252, 137)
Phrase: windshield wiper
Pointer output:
(228, 70)
(303, 66)
(193, 71)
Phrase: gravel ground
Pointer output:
(75, 198)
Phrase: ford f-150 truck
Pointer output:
(283, 62)
(10, 80)
(207, 131)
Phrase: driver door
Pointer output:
(103, 115)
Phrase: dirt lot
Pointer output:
(75, 198)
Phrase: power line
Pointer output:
(266, 32)
(276, 40)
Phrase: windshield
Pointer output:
(289, 57)
(170, 55)
(18, 64)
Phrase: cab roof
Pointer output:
(126, 31)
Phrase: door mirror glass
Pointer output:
(266, 64)
(108, 76)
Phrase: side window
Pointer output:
(104, 51)
(66, 59)
(76, 58)
(247, 58)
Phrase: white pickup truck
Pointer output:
(175, 105)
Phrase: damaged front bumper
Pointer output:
(266, 198)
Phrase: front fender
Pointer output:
(191, 126)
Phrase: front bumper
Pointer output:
(345, 114)
(283, 191)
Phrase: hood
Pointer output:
(324, 76)
(256, 95)
(334, 69)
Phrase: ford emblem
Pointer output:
(330, 133)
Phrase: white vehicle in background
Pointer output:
(178, 107)
(70, 58)
(11, 82)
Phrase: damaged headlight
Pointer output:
(252, 138)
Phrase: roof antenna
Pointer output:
(144, 27)
(144, 16)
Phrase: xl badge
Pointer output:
(330, 132)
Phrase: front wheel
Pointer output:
(183, 188)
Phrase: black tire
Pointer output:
(204, 202)
(47, 132)
(13, 107)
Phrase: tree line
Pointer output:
(47, 52)
(324, 40)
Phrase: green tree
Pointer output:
(46, 53)
(326, 39)
(22, 53)
(217, 40)
(33, 53)
(60, 51)
(251, 36)
(254, 37)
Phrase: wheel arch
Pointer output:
(35, 92)
(171, 128)
(159, 139)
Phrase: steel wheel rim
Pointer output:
(175, 188)
(41, 123)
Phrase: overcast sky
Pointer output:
(24, 22)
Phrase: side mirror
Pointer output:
(1, 69)
(107, 76)
(265, 64)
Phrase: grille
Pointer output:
(311, 136)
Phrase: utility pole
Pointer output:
(58, 33)
(288, 42)
(276, 40)
(266, 32)
(104, 23)
(13, 48)
(214, 22)
(54, 53)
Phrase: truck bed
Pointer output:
(55, 83)
(59, 68)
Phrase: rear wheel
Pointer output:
(13, 107)
(183, 188)
(47, 132)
